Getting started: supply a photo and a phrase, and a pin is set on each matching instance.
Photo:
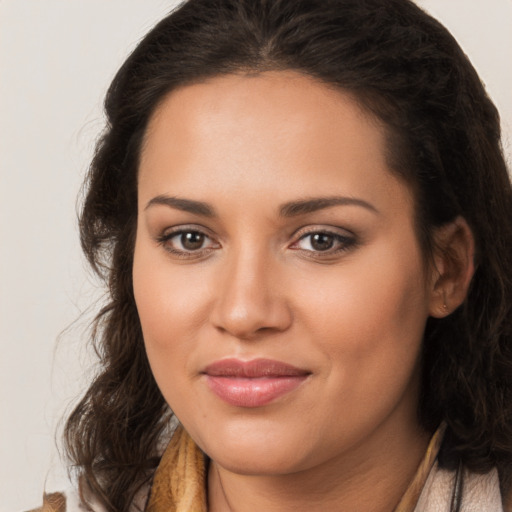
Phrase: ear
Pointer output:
(454, 254)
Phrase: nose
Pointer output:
(250, 299)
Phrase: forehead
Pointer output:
(275, 133)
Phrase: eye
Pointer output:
(317, 242)
(324, 241)
(190, 240)
(187, 242)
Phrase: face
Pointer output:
(278, 277)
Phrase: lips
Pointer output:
(252, 383)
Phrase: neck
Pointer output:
(371, 477)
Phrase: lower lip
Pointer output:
(253, 392)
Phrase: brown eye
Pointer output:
(322, 241)
(192, 240)
(187, 243)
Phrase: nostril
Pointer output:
(249, 301)
(254, 323)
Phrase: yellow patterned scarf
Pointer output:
(179, 482)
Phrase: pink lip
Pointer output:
(252, 383)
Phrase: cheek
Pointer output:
(171, 307)
(372, 312)
(368, 324)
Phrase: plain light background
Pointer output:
(57, 58)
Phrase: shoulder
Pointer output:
(506, 489)
(67, 501)
(473, 491)
(54, 502)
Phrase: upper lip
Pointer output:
(255, 368)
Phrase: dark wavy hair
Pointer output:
(443, 139)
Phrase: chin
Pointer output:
(256, 450)
(257, 462)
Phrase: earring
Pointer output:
(445, 307)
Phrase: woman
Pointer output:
(304, 217)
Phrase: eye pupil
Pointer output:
(322, 241)
(192, 240)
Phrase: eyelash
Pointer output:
(165, 241)
(344, 243)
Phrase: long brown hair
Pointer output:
(444, 140)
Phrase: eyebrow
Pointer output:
(290, 209)
(309, 205)
(186, 205)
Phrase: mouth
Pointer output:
(252, 383)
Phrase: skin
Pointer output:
(347, 438)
